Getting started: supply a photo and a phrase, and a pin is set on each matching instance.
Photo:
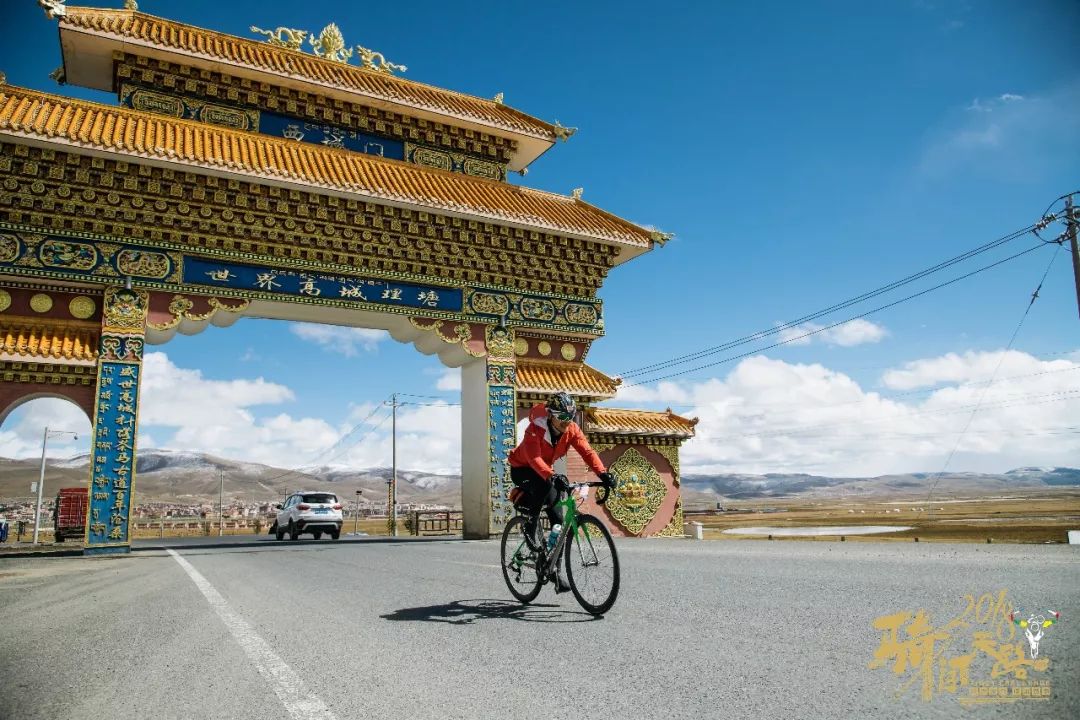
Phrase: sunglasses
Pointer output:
(565, 417)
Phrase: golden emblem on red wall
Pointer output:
(639, 491)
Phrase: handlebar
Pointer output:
(601, 495)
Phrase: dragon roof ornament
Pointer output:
(53, 8)
(329, 45)
(563, 133)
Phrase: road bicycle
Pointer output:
(584, 545)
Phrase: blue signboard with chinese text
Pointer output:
(298, 283)
(113, 455)
(330, 136)
(502, 437)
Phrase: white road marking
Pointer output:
(301, 703)
(483, 565)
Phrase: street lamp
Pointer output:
(41, 480)
(356, 515)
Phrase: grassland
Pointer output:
(1032, 517)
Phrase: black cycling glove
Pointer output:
(607, 479)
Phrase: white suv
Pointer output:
(309, 512)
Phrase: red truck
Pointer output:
(70, 517)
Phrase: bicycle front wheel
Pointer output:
(519, 563)
(592, 565)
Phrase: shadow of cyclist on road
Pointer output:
(466, 612)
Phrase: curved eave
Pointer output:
(89, 36)
(120, 133)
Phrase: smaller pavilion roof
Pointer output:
(615, 421)
(576, 378)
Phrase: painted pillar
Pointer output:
(488, 401)
(116, 411)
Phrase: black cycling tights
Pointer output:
(539, 493)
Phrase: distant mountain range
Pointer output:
(189, 477)
(914, 485)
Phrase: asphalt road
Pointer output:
(427, 629)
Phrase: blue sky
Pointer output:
(801, 157)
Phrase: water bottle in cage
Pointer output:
(553, 536)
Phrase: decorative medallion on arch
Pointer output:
(639, 493)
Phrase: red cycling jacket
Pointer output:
(537, 451)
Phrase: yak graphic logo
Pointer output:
(1034, 627)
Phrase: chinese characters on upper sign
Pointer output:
(977, 657)
(331, 136)
(318, 285)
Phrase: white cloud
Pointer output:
(765, 415)
(449, 380)
(771, 416)
(1010, 136)
(344, 340)
(21, 434)
(428, 440)
(855, 332)
(968, 367)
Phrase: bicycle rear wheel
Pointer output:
(519, 563)
(592, 565)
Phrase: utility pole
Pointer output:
(41, 479)
(1070, 229)
(356, 515)
(220, 503)
(393, 466)
(41, 482)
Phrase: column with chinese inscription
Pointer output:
(488, 434)
(116, 412)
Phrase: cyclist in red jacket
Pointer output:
(550, 434)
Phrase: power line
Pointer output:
(364, 437)
(891, 396)
(690, 357)
(1027, 311)
(836, 324)
(298, 469)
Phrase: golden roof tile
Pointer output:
(127, 25)
(66, 121)
(615, 421)
(25, 338)
(548, 376)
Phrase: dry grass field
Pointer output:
(374, 526)
(1033, 517)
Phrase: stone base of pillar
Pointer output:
(108, 550)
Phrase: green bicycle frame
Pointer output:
(570, 527)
